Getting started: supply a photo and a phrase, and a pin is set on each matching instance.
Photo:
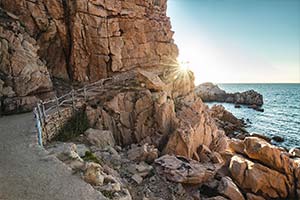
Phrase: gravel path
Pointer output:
(28, 173)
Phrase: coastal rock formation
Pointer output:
(209, 92)
(182, 170)
(135, 114)
(88, 40)
(23, 76)
(227, 121)
(264, 169)
(150, 131)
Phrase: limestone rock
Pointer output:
(258, 178)
(228, 188)
(182, 170)
(100, 138)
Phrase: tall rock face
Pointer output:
(23, 76)
(149, 97)
(88, 40)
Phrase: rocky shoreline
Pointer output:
(209, 92)
(147, 135)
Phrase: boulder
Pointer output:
(100, 138)
(226, 121)
(236, 146)
(64, 151)
(269, 155)
(93, 174)
(295, 152)
(146, 152)
(251, 196)
(258, 179)
(183, 170)
(278, 139)
(228, 188)
(195, 127)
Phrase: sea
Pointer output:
(281, 116)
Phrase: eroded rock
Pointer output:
(183, 170)
(210, 92)
(228, 188)
(258, 178)
(146, 152)
(100, 138)
(24, 76)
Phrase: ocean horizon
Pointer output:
(281, 116)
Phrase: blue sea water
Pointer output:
(282, 110)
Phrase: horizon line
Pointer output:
(252, 83)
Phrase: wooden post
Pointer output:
(44, 112)
(84, 92)
(57, 105)
(73, 99)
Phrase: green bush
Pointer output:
(74, 126)
(90, 157)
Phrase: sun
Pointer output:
(184, 66)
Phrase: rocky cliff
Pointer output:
(147, 109)
(23, 76)
(92, 39)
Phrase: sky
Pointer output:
(238, 41)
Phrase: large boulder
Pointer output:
(229, 189)
(93, 174)
(270, 155)
(195, 127)
(100, 138)
(258, 179)
(183, 170)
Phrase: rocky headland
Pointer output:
(210, 92)
(148, 134)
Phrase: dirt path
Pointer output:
(28, 173)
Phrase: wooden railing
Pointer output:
(45, 109)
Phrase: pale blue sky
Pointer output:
(238, 40)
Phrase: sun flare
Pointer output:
(184, 66)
